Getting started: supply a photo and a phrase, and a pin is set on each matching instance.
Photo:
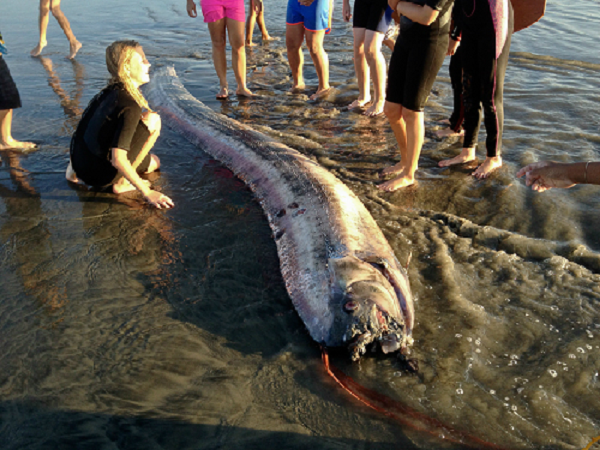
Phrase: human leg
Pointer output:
(471, 100)
(235, 29)
(493, 107)
(250, 22)
(75, 45)
(6, 139)
(294, 36)
(376, 62)
(217, 32)
(43, 26)
(314, 42)
(414, 122)
(393, 112)
(361, 68)
(260, 20)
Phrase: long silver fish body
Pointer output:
(339, 270)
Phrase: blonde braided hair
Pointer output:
(118, 60)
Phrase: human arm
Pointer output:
(545, 175)
(423, 14)
(452, 47)
(191, 8)
(120, 161)
(346, 11)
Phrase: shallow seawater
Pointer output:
(131, 328)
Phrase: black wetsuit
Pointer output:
(418, 56)
(483, 74)
(455, 69)
(111, 120)
(9, 95)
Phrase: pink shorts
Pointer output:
(214, 10)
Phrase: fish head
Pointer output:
(366, 307)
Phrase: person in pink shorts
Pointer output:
(225, 17)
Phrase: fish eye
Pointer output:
(350, 306)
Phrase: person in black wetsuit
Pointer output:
(418, 55)
(484, 28)
(112, 143)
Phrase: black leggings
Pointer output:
(483, 86)
(458, 113)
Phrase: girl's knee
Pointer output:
(154, 163)
(392, 111)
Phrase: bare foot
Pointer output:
(269, 38)
(397, 183)
(375, 110)
(466, 155)
(71, 176)
(358, 103)
(243, 92)
(488, 166)
(13, 144)
(75, 46)
(250, 44)
(38, 49)
(392, 170)
(223, 93)
(320, 93)
(297, 88)
(449, 132)
(123, 185)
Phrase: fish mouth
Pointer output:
(373, 325)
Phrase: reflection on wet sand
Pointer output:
(26, 225)
(70, 103)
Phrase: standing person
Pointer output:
(486, 27)
(418, 56)
(112, 143)
(256, 14)
(310, 19)
(54, 5)
(372, 20)
(225, 17)
(9, 100)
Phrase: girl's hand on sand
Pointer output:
(159, 200)
(191, 8)
(545, 175)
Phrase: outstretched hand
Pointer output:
(159, 200)
(191, 8)
(545, 175)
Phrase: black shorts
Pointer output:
(9, 95)
(99, 172)
(414, 66)
(370, 14)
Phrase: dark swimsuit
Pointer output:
(372, 15)
(418, 56)
(483, 74)
(111, 120)
(9, 95)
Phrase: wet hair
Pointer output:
(118, 61)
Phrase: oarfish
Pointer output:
(339, 270)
